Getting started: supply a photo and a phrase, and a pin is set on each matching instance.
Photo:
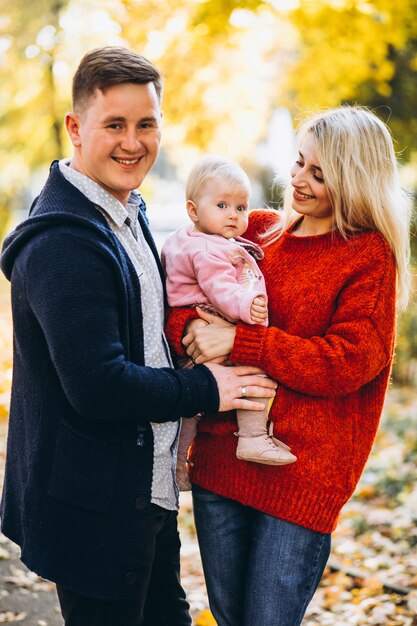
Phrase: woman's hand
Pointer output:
(211, 341)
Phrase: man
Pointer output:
(89, 491)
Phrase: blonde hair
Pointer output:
(360, 171)
(214, 169)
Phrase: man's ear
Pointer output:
(72, 124)
(192, 210)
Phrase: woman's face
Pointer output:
(310, 197)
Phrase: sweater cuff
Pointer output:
(248, 347)
(199, 391)
(176, 321)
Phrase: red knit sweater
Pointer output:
(330, 346)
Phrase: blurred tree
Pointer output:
(32, 85)
(218, 77)
(41, 43)
(358, 51)
(30, 118)
(227, 63)
(398, 103)
(33, 31)
(405, 364)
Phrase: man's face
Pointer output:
(116, 137)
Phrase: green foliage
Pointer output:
(31, 122)
(216, 97)
(358, 51)
(405, 365)
(397, 104)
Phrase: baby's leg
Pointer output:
(187, 434)
(255, 443)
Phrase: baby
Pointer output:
(209, 264)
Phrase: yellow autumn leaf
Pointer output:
(205, 619)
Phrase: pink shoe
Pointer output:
(276, 441)
(263, 449)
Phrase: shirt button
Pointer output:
(131, 578)
(141, 502)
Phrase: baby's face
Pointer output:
(222, 209)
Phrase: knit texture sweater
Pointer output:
(330, 347)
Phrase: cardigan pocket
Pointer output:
(84, 470)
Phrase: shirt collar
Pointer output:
(114, 209)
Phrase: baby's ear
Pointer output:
(192, 210)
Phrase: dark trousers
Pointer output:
(160, 599)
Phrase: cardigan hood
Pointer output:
(38, 226)
(53, 209)
(55, 212)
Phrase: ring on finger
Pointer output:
(243, 392)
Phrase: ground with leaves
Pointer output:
(372, 574)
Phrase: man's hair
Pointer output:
(211, 169)
(102, 68)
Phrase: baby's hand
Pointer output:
(259, 310)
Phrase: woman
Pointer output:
(336, 261)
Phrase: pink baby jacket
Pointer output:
(210, 269)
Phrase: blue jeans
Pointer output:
(259, 570)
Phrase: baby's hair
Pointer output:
(210, 169)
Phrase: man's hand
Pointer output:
(236, 384)
(259, 310)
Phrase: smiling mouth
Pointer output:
(303, 195)
(126, 161)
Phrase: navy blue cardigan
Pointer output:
(77, 482)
